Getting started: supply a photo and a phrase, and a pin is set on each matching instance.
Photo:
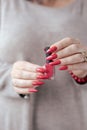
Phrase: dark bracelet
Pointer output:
(79, 80)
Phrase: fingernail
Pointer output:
(42, 70)
(55, 62)
(63, 68)
(33, 90)
(53, 56)
(42, 77)
(35, 83)
(52, 49)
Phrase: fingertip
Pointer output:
(33, 90)
(52, 49)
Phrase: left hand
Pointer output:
(68, 53)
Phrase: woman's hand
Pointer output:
(27, 76)
(69, 54)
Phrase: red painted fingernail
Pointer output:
(52, 49)
(42, 77)
(55, 62)
(33, 90)
(37, 83)
(63, 68)
(53, 56)
(42, 70)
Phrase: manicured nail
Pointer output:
(55, 62)
(53, 56)
(63, 68)
(36, 83)
(33, 90)
(42, 70)
(42, 77)
(52, 49)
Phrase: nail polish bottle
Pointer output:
(49, 68)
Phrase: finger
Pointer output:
(26, 83)
(24, 90)
(26, 66)
(65, 42)
(79, 66)
(21, 74)
(74, 59)
(70, 50)
(65, 52)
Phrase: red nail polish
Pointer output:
(53, 56)
(48, 67)
(33, 90)
(36, 83)
(63, 68)
(50, 71)
(52, 49)
(55, 62)
(42, 70)
(42, 77)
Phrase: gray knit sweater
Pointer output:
(25, 29)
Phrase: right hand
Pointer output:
(27, 76)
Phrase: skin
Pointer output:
(24, 74)
(53, 3)
(68, 51)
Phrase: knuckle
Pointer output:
(81, 57)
